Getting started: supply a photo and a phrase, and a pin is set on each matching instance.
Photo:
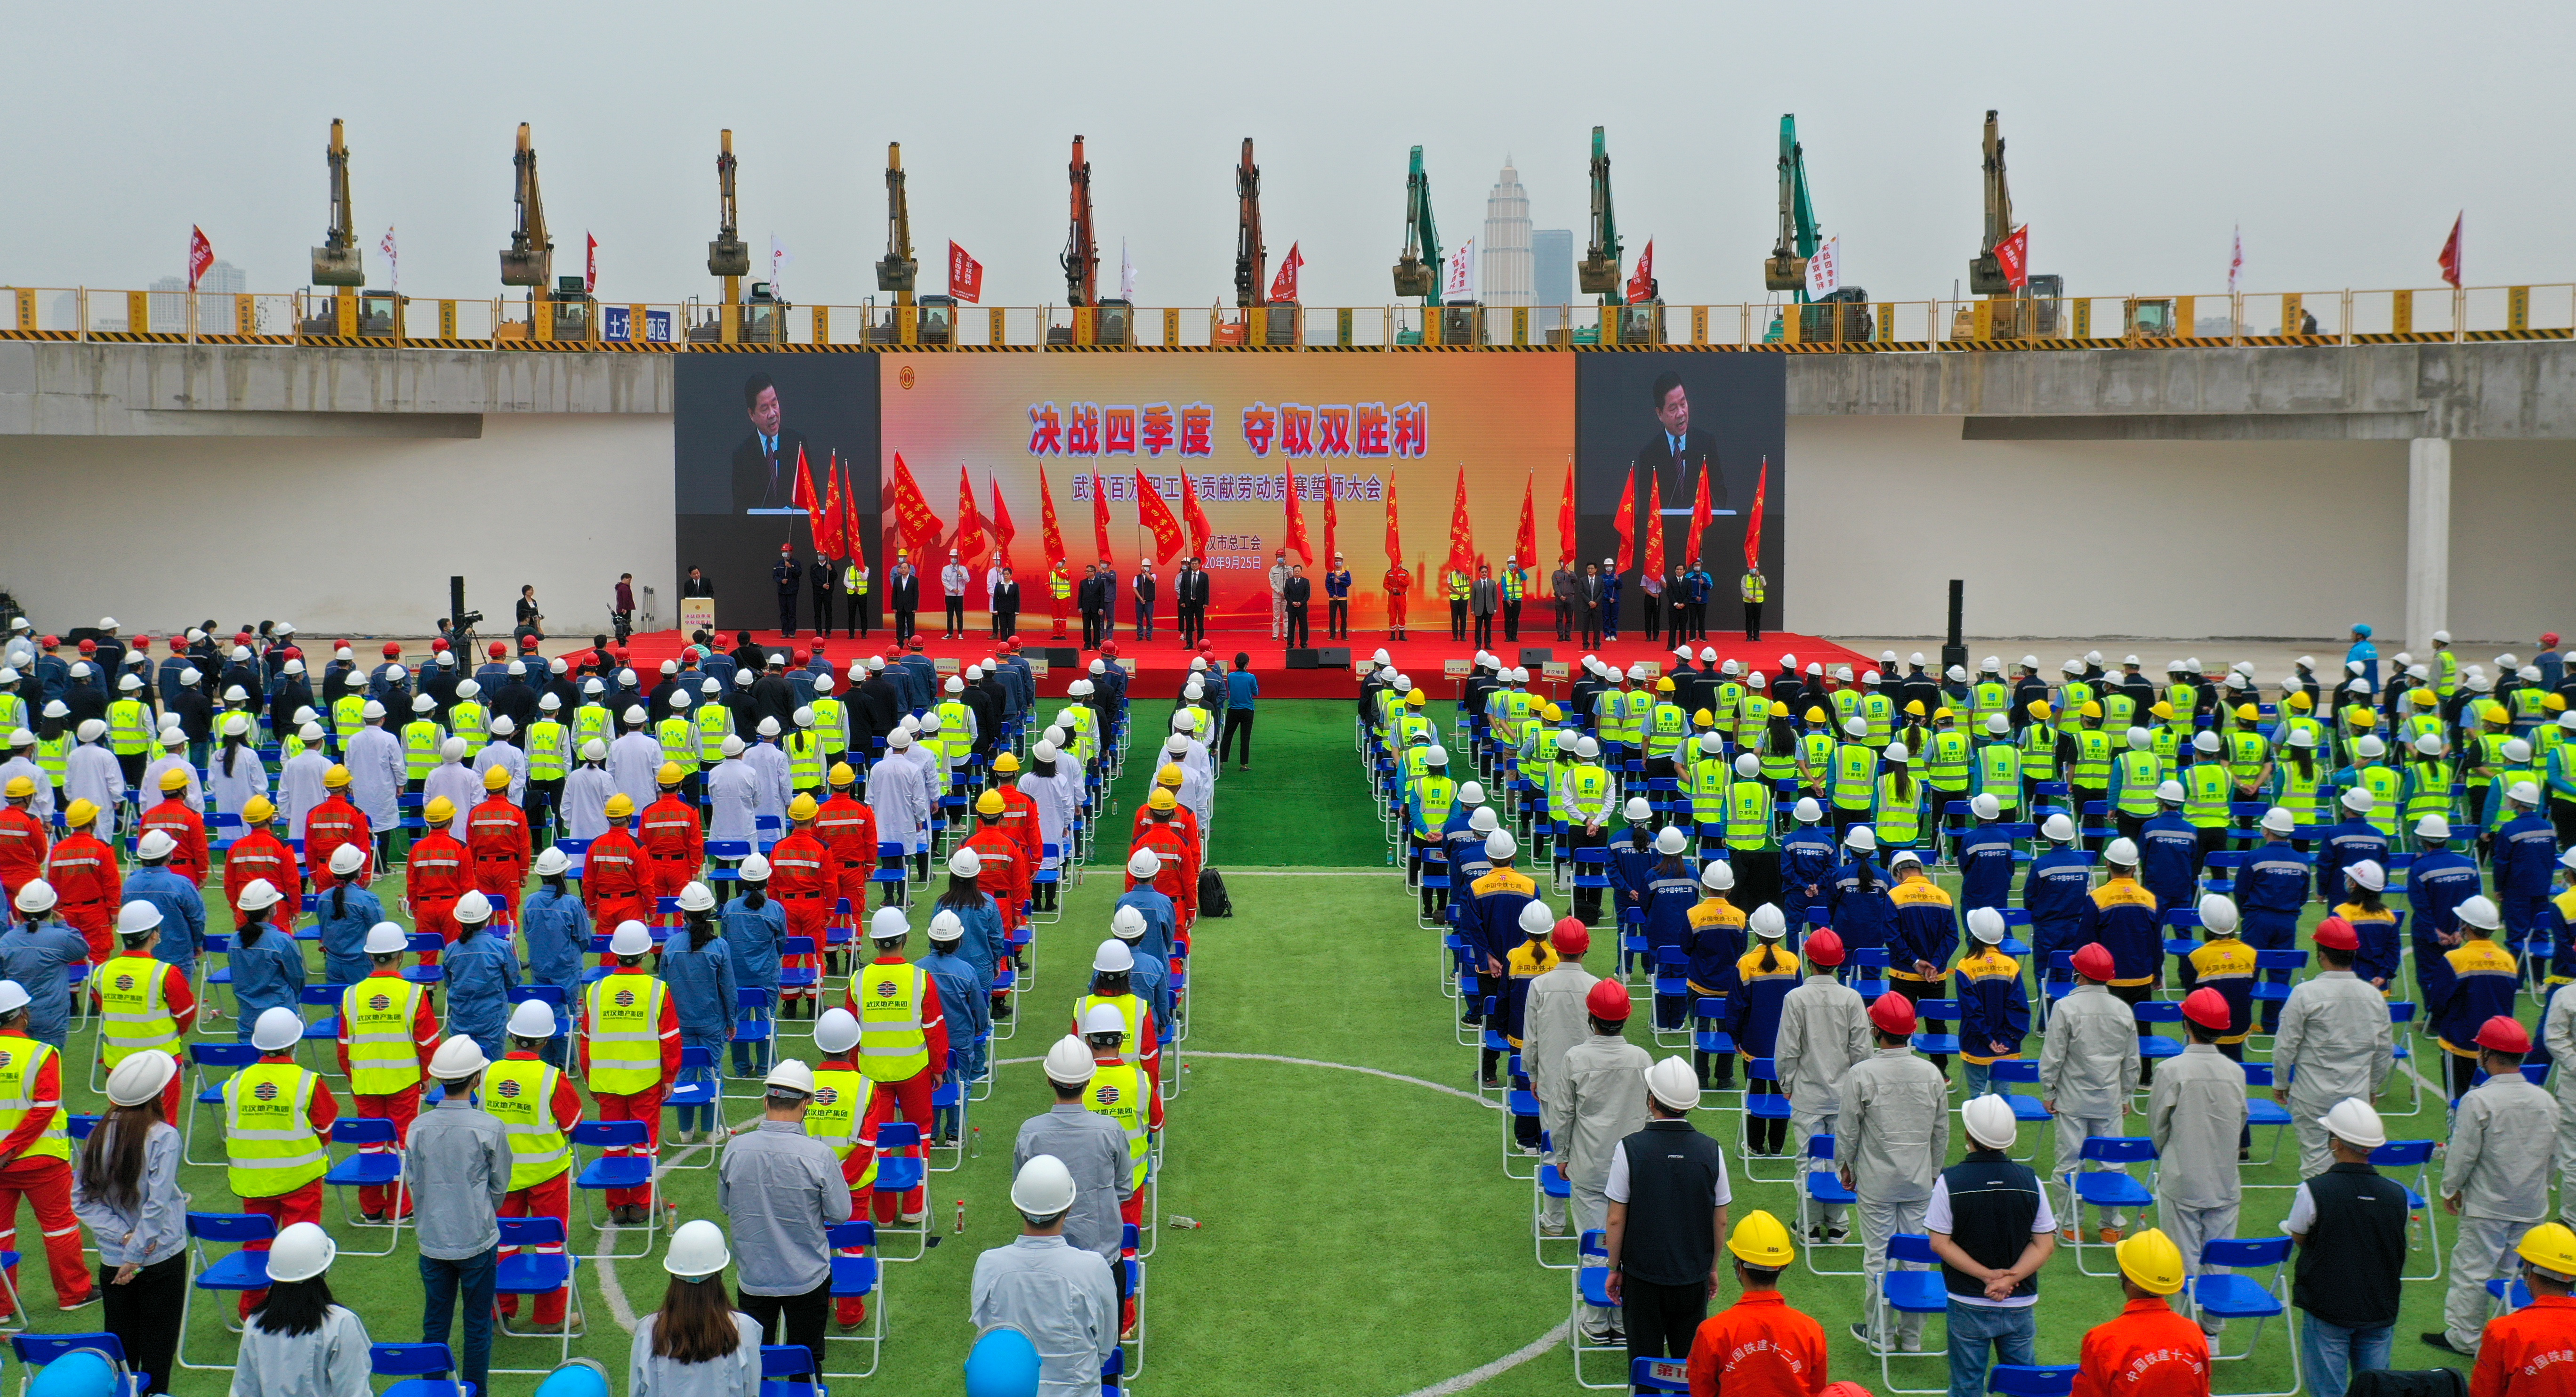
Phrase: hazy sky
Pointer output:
(2343, 137)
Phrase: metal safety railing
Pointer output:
(340, 318)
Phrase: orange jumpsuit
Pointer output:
(84, 873)
(674, 842)
(2529, 1353)
(2149, 1351)
(45, 1182)
(436, 872)
(1184, 819)
(174, 818)
(1006, 872)
(496, 834)
(1020, 817)
(805, 879)
(1758, 1347)
(645, 1106)
(614, 881)
(400, 1107)
(303, 1204)
(261, 854)
(328, 826)
(551, 1198)
(849, 829)
(23, 842)
(1397, 582)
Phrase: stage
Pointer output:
(1158, 663)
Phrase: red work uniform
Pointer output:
(806, 881)
(1758, 1347)
(260, 854)
(645, 1105)
(304, 1202)
(849, 829)
(401, 1107)
(328, 826)
(90, 887)
(1005, 876)
(614, 881)
(546, 1198)
(44, 1181)
(910, 1096)
(1183, 819)
(23, 842)
(496, 834)
(436, 872)
(1178, 879)
(2529, 1353)
(1397, 582)
(674, 842)
(1020, 817)
(2149, 1351)
(188, 828)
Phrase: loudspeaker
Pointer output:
(1536, 655)
(1056, 655)
(1301, 659)
(1333, 658)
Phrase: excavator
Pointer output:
(1081, 263)
(1786, 268)
(1419, 270)
(340, 262)
(529, 261)
(763, 320)
(898, 271)
(1252, 261)
(1986, 273)
(1598, 273)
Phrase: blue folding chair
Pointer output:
(209, 1091)
(2233, 1295)
(532, 1275)
(605, 1171)
(1768, 1106)
(1549, 1184)
(1914, 1292)
(900, 1170)
(2008, 1072)
(2153, 1048)
(237, 1270)
(1867, 966)
(1135, 1295)
(37, 1351)
(1823, 1188)
(855, 1276)
(375, 1160)
(2032, 1380)
(2401, 1013)
(423, 1368)
(1937, 1044)
(2105, 1189)
(2396, 1157)
(1519, 1104)
(2262, 1110)
(1591, 1285)
(1659, 1375)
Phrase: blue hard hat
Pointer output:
(1003, 1364)
(83, 1372)
(2361, 628)
(579, 1378)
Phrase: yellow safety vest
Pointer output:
(588, 721)
(21, 1059)
(1748, 816)
(804, 760)
(421, 740)
(625, 1026)
(137, 1014)
(384, 1058)
(1899, 818)
(2206, 789)
(1855, 768)
(54, 756)
(1129, 1008)
(1945, 761)
(129, 728)
(2139, 773)
(715, 724)
(520, 1094)
(679, 739)
(348, 714)
(269, 1144)
(2071, 698)
(545, 750)
(1670, 725)
(1879, 711)
(2384, 784)
(467, 720)
(829, 726)
(839, 1107)
(952, 740)
(892, 1045)
(2091, 768)
(1752, 587)
(1119, 1092)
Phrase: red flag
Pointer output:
(1283, 287)
(1050, 537)
(1652, 564)
(965, 274)
(2013, 255)
(971, 541)
(1003, 529)
(201, 255)
(1624, 524)
(1394, 533)
(1100, 516)
(827, 523)
(850, 534)
(2450, 258)
(915, 524)
(1332, 518)
(801, 492)
(1297, 518)
(1565, 540)
(1641, 282)
(1195, 516)
(1157, 518)
(1753, 518)
(1462, 534)
(1700, 516)
(590, 268)
(1525, 541)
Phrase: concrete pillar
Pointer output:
(2428, 541)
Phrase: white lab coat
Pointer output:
(635, 763)
(231, 792)
(43, 806)
(454, 781)
(933, 769)
(507, 755)
(376, 775)
(768, 762)
(1198, 792)
(1068, 778)
(299, 788)
(192, 793)
(585, 802)
(91, 774)
(733, 791)
(901, 801)
(1055, 811)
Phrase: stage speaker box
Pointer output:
(1058, 655)
(1301, 659)
(1536, 655)
(1333, 658)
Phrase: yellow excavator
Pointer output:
(2037, 299)
(529, 261)
(340, 262)
(933, 317)
(761, 320)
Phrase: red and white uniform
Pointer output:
(90, 886)
(496, 834)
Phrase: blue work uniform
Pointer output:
(702, 984)
(1632, 870)
(2055, 892)
(267, 974)
(2524, 862)
(2440, 879)
(966, 998)
(2121, 917)
(1864, 920)
(344, 935)
(1157, 908)
(2169, 859)
(183, 914)
(2482, 982)
(1806, 860)
(556, 927)
(39, 956)
(985, 942)
(2375, 961)
(1993, 1008)
(1669, 897)
(756, 936)
(2351, 842)
(1985, 867)
(2271, 891)
(1926, 929)
(1757, 984)
(481, 969)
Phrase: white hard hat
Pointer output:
(467, 688)
(457, 1058)
(140, 1078)
(1484, 820)
(2523, 793)
(275, 1031)
(1898, 752)
(2170, 792)
(1860, 837)
(1535, 918)
(2204, 742)
(473, 909)
(697, 1251)
(1436, 756)
(1044, 1187)
(837, 1031)
(1586, 749)
(1989, 1121)
(593, 750)
(947, 926)
(13, 997)
(1986, 924)
(1103, 1018)
(1669, 840)
(966, 863)
(1674, 1084)
(2516, 750)
(2442, 637)
(2479, 912)
(1127, 924)
(1718, 877)
(256, 894)
(790, 1075)
(1856, 727)
(2139, 737)
(2358, 801)
(2123, 852)
(1767, 921)
(387, 939)
(2057, 827)
(301, 1252)
(1903, 858)
(754, 868)
(157, 844)
(312, 732)
(1747, 765)
(2352, 1121)
(697, 897)
(1144, 863)
(1984, 806)
(2279, 820)
(2433, 826)
(1069, 1063)
(1807, 810)
(1113, 958)
(1501, 845)
(2366, 875)
(1997, 724)
(534, 1018)
(634, 715)
(2218, 913)
(888, 924)
(135, 918)
(348, 859)
(552, 860)
(91, 730)
(632, 938)
(1637, 809)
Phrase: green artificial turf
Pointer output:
(1360, 1234)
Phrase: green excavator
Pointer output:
(1419, 271)
(1598, 273)
(1786, 268)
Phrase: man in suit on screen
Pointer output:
(1678, 454)
(764, 466)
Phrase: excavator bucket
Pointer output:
(1598, 276)
(1415, 277)
(338, 266)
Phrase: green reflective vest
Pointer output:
(348, 714)
(679, 739)
(2071, 698)
(1879, 711)
(1752, 717)
(2039, 752)
(1989, 697)
(714, 723)
(54, 755)
(1752, 587)
(2446, 673)
(1816, 754)
(2091, 768)
(421, 739)
(546, 750)
(1709, 778)
(1665, 732)
(589, 721)
(466, 719)
(1436, 795)
(1748, 816)
(2429, 791)
(1587, 787)
(2206, 789)
(1945, 761)
(129, 728)
(1999, 773)
(2139, 774)
(1900, 812)
(805, 765)
(2246, 753)
(1855, 767)
(828, 722)
(2119, 711)
(2385, 785)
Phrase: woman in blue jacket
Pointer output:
(1857, 900)
(344, 915)
(557, 929)
(984, 944)
(698, 967)
(1671, 889)
(1806, 861)
(1758, 983)
(755, 926)
(267, 964)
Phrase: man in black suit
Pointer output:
(1108, 599)
(764, 466)
(1295, 597)
(1091, 598)
(1191, 600)
(824, 574)
(790, 579)
(903, 593)
(1678, 454)
(1146, 590)
(1006, 605)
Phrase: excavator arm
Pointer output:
(727, 256)
(338, 261)
(1598, 273)
(1985, 274)
(1081, 258)
(1417, 272)
(529, 259)
(1251, 259)
(897, 272)
(1786, 270)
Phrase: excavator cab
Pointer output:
(379, 314)
(576, 311)
(764, 316)
(934, 321)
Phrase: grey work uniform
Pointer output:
(2335, 1042)
(2088, 1068)
(1062, 1297)
(1604, 1103)
(2194, 1115)
(1093, 1148)
(1893, 1138)
(1824, 1029)
(1552, 1022)
(2504, 1147)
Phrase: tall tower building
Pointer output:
(1552, 275)
(1504, 277)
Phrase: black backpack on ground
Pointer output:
(1212, 899)
(2427, 1382)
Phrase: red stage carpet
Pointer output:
(1160, 661)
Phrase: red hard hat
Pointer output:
(2336, 934)
(1893, 1013)
(392, 648)
(1108, 649)
(439, 644)
(143, 642)
(2501, 1035)
(1608, 1002)
(527, 642)
(802, 657)
(293, 653)
(52, 640)
(2549, 639)
(2094, 962)
(496, 649)
(818, 647)
(89, 647)
(1825, 948)
(1571, 937)
(2206, 1007)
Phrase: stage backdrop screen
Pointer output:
(1391, 436)
(740, 424)
(1654, 424)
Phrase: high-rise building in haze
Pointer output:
(1551, 275)
(1504, 277)
(170, 300)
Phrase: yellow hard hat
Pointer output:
(1761, 1242)
(496, 778)
(2554, 702)
(842, 775)
(173, 780)
(1417, 698)
(2038, 708)
(1914, 708)
(24, 787)
(2551, 1247)
(1664, 685)
(1943, 714)
(1778, 710)
(80, 814)
(2246, 712)
(1162, 799)
(2493, 713)
(802, 808)
(2422, 698)
(1552, 713)
(335, 778)
(2301, 701)
(1170, 775)
(1814, 715)
(2091, 709)
(258, 810)
(442, 810)
(1003, 764)
(2151, 1261)
(2364, 718)
(1704, 718)
(620, 806)
(670, 774)
(989, 803)
(2162, 709)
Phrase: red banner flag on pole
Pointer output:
(1332, 519)
(1050, 534)
(1100, 516)
(2450, 258)
(1157, 518)
(1394, 531)
(1297, 520)
(1525, 540)
(850, 534)
(1651, 561)
(1565, 540)
(1624, 524)
(2013, 255)
(1195, 516)
(971, 540)
(201, 255)
(915, 523)
(1283, 287)
(801, 496)
(1462, 533)
(827, 521)
(1641, 283)
(965, 274)
(1701, 514)
(1753, 518)
(1003, 530)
